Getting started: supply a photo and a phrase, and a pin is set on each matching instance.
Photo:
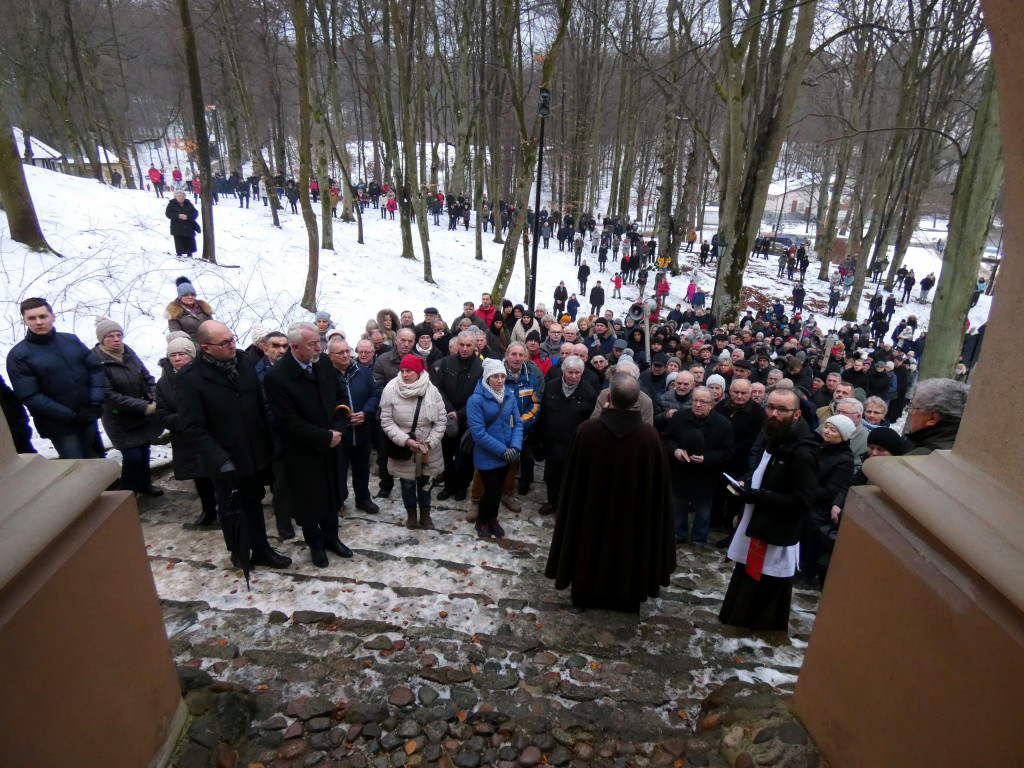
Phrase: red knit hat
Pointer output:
(414, 363)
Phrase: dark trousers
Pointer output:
(526, 464)
(381, 440)
(135, 469)
(250, 510)
(458, 466)
(282, 496)
(84, 443)
(554, 471)
(414, 491)
(243, 198)
(358, 458)
(204, 489)
(321, 533)
(493, 480)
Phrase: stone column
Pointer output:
(918, 648)
(86, 669)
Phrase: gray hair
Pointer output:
(572, 364)
(628, 367)
(624, 391)
(873, 400)
(516, 344)
(946, 397)
(295, 330)
(854, 403)
(467, 335)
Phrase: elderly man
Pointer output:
(599, 511)
(456, 377)
(936, 408)
(841, 391)
(365, 354)
(700, 443)
(306, 397)
(385, 368)
(853, 409)
(680, 394)
(275, 345)
(364, 397)
(644, 404)
(223, 419)
(875, 409)
(523, 380)
(746, 418)
(758, 393)
(777, 495)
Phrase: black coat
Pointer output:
(305, 414)
(130, 391)
(221, 422)
(746, 423)
(182, 227)
(185, 460)
(17, 419)
(835, 473)
(456, 378)
(710, 438)
(560, 417)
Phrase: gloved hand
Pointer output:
(227, 471)
(151, 409)
(510, 455)
(750, 495)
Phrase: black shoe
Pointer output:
(384, 493)
(368, 507)
(547, 509)
(235, 561)
(208, 517)
(497, 530)
(445, 494)
(339, 549)
(459, 495)
(522, 490)
(286, 531)
(153, 491)
(319, 558)
(270, 558)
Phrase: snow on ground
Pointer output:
(118, 260)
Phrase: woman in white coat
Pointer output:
(414, 456)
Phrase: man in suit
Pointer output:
(223, 418)
(309, 405)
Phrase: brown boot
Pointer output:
(425, 522)
(411, 522)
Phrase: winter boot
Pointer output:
(411, 522)
(425, 522)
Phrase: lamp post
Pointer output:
(721, 248)
(543, 109)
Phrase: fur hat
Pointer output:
(179, 344)
(414, 363)
(491, 367)
(259, 332)
(844, 424)
(184, 287)
(105, 325)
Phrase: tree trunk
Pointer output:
(14, 195)
(977, 186)
(298, 8)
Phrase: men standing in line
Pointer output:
(385, 368)
(311, 410)
(60, 381)
(224, 420)
(777, 495)
(364, 397)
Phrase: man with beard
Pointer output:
(305, 394)
(224, 421)
(777, 495)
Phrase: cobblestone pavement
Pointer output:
(434, 648)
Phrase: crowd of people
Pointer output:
(760, 426)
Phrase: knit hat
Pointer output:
(533, 336)
(715, 379)
(627, 352)
(671, 378)
(322, 315)
(601, 321)
(176, 335)
(889, 439)
(844, 424)
(414, 363)
(259, 332)
(491, 367)
(184, 287)
(181, 345)
(105, 325)
(620, 344)
(725, 355)
(332, 333)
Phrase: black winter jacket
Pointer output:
(185, 459)
(456, 377)
(715, 438)
(130, 391)
(560, 416)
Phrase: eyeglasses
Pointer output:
(222, 344)
(780, 410)
(703, 402)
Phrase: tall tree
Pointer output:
(15, 198)
(299, 22)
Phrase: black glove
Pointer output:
(749, 495)
(227, 471)
(510, 455)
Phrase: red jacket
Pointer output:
(155, 176)
(487, 315)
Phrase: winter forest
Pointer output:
(677, 114)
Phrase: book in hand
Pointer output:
(734, 487)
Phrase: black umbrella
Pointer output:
(238, 535)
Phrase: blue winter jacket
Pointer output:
(363, 395)
(55, 376)
(505, 432)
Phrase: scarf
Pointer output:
(228, 367)
(117, 354)
(567, 390)
(499, 394)
(424, 353)
(420, 387)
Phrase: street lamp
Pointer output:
(543, 109)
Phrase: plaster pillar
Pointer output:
(85, 665)
(917, 652)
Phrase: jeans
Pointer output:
(701, 519)
(135, 469)
(583, 286)
(415, 491)
(82, 444)
(358, 457)
(243, 198)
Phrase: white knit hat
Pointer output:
(491, 367)
(844, 424)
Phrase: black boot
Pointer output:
(208, 517)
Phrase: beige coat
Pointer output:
(396, 414)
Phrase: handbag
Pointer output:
(451, 427)
(404, 452)
(467, 444)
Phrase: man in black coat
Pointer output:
(456, 377)
(566, 404)
(309, 405)
(746, 419)
(777, 496)
(699, 444)
(223, 420)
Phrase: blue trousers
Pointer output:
(698, 533)
(84, 443)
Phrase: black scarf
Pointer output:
(228, 367)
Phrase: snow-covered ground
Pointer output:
(118, 260)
